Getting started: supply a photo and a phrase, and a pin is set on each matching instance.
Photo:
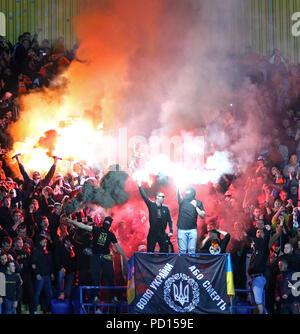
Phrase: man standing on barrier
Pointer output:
(101, 259)
(159, 217)
(257, 265)
(189, 209)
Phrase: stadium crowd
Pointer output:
(46, 258)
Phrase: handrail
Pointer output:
(90, 287)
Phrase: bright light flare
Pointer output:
(216, 166)
(77, 140)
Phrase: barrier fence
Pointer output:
(160, 283)
(87, 305)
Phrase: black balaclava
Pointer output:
(190, 194)
(107, 223)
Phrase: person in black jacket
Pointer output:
(101, 260)
(23, 258)
(286, 293)
(292, 259)
(189, 210)
(43, 268)
(13, 290)
(54, 220)
(213, 243)
(36, 183)
(6, 213)
(65, 263)
(81, 240)
(258, 265)
(32, 218)
(159, 217)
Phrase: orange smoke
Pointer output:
(138, 66)
(88, 95)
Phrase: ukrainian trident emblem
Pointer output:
(181, 293)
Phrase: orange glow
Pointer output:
(88, 96)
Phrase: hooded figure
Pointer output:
(107, 223)
(189, 209)
(190, 194)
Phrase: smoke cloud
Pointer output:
(159, 67)
(112, 192)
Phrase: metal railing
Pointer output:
(249, 306)
(87, 305)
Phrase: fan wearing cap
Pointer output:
(159, 218)
(101, 259)
(189, 210)
(34, 183)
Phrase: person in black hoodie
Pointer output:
(159, 217)
(43, 267)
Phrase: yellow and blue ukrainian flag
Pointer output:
(229, 277)
(131, 281)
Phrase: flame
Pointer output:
(77, 139)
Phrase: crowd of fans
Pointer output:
(30, 228)
(260, 205)
(46, 258)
